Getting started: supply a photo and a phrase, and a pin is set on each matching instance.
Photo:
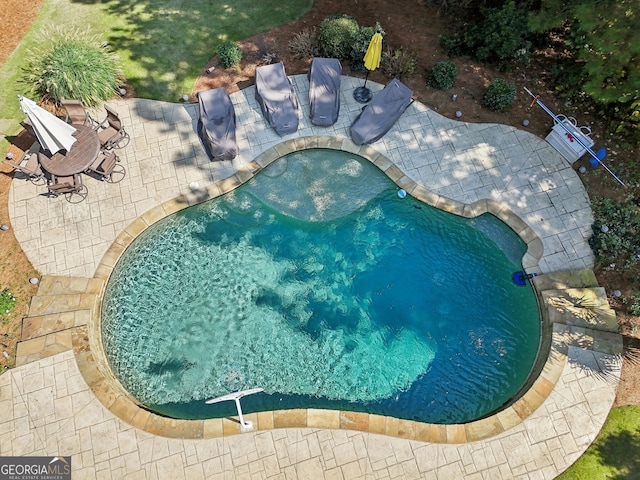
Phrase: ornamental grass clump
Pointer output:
(72, 64)
(305, 44)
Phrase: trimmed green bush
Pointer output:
(229, 53)
(337, 34)
(499, 95)
(72, 64)
(443, 75)
(361, 43)
(399, 64)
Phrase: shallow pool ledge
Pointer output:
(563, 332)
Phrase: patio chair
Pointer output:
(111, 132)
(30, 167)
(106, 166)
(76, 113)
(71, 187)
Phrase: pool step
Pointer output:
(61, 306)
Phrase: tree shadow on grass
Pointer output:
(171, 42)
(619, 450)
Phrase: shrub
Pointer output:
(266, 55)
(72, 64)
(337, 34)
(501, 37)
(361, 43)
(453, 44)
(229, 53)
(305, 44)
(634, 308)
(443, 75)
(622, 237)
(400, 64)
(499, 95)
(7, 302)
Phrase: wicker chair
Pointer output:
(76, 113)
(71, 187)
(111, 132)
(107, 167)
(29, 166)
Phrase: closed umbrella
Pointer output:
(371, 62)
(53, 133)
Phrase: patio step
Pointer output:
(581, 278)
(581, 307)
(33, 327)
(57, 285)
(50, 304)
(60, 307)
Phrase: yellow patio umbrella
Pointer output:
(374, 53)
(371, 62)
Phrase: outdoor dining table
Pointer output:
(81, 154)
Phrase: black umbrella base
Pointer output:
(362, 94)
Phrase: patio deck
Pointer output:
(47, 408)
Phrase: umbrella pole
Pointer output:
(363, 94)
(366, 77)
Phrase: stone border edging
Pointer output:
(93, 365)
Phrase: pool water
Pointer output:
(317, 283)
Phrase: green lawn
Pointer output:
(613, 454)
(162, 44)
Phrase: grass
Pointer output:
(613, 453)
(162, 44)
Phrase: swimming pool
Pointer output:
(316, 282)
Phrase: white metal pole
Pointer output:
(575, 137)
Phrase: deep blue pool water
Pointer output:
(317, 283)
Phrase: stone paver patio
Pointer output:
(47, 407)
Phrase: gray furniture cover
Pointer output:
(381, 113)
(217, 124)
(324, 91)
(277, 99)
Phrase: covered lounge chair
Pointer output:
(277, 98)
(324, 91)
(217, 124)
(377, 118)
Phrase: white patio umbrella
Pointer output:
(53, 133)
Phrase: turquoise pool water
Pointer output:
(317, 283)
